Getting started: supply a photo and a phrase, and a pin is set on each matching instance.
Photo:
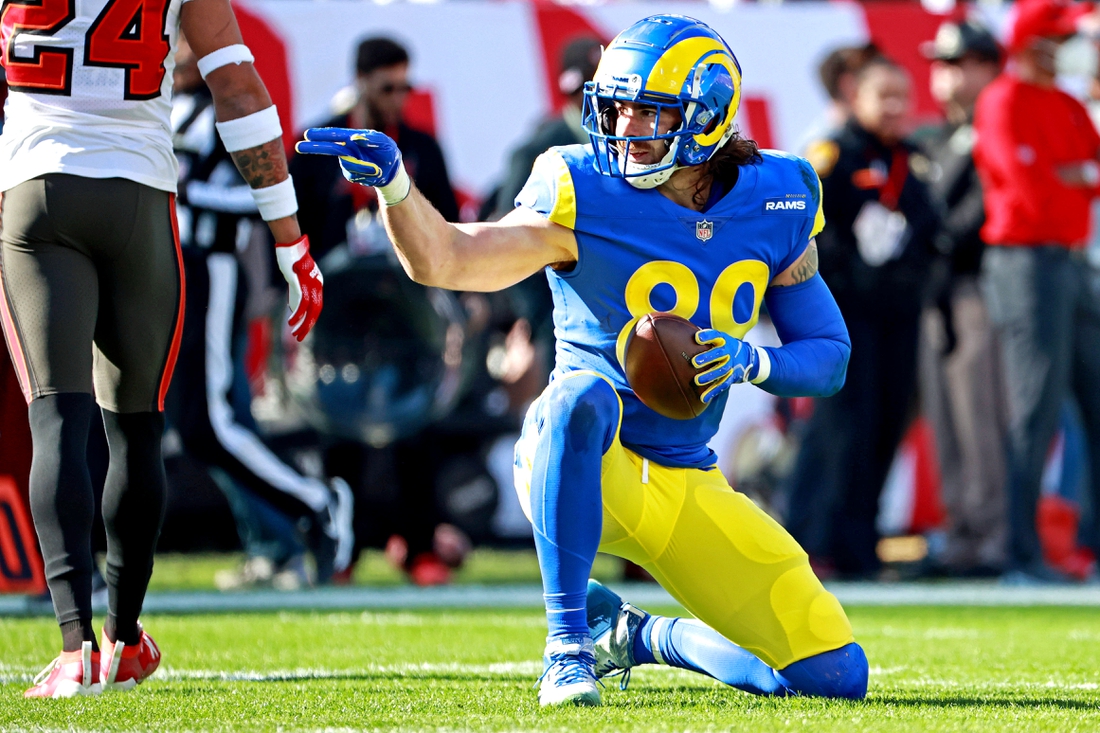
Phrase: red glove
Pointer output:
(304, 278)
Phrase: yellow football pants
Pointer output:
(726, 561)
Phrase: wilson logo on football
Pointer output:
(784, 205)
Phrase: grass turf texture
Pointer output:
(932, 669)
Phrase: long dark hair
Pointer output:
(725, 165)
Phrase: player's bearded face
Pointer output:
(642, 120)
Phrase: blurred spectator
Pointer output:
(280, 513)
(837, 73)
(1092, 104)
(1036, 154)
(879, 224)
(409, 410)
(579, 60)
(433, 414)
(327, 203)
(962, 391)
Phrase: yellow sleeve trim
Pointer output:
(819, 217)
(565, 195)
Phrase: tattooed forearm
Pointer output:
(263, 165)
(806, 267)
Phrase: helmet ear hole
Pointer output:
(607, 117)
(715, 90)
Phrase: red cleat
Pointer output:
(427, 570)
(70, 675)
(125, 667)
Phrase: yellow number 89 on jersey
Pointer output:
(685, 285)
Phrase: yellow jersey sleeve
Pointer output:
(549, 190)
(819, 217)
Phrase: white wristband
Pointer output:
(275, 202)
(396, 190)
(251, 130)
(765, 369)
(238, 53)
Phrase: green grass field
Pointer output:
(982, 669)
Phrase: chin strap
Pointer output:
(650, 180)
(632, 171)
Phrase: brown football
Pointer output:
(658, 365)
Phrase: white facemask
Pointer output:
(1077, 57)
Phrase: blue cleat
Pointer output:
(613, 624)
(570, 677)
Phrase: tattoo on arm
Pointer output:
(807, 267)
(263, 165)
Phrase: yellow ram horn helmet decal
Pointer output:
(670, 75)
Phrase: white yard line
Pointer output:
(898, 677)
(532, 668)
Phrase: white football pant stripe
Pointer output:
(242, 443)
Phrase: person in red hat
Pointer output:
(1036, 155)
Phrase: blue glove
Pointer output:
(728, 361)
(367, 157)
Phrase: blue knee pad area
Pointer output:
(839, 673)
(690, 644)
(577, 420)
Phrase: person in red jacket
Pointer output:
(1036, 154)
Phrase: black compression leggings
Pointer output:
(63, 507)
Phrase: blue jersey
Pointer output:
(638, 252)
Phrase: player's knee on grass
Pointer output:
(585, 409)
(839, 673)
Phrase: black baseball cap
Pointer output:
(379, 52)
(957, 39)
(579, 60)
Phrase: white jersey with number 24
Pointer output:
(90, 85)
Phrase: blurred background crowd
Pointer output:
(958, 159)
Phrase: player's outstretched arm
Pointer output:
(249, 126)
(433, 251)
(480, 257)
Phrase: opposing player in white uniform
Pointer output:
(92, 292)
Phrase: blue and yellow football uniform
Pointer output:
(665, 505)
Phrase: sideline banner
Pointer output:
(20, 564)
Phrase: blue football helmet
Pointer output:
(668, 62)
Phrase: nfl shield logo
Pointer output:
(704, 230)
